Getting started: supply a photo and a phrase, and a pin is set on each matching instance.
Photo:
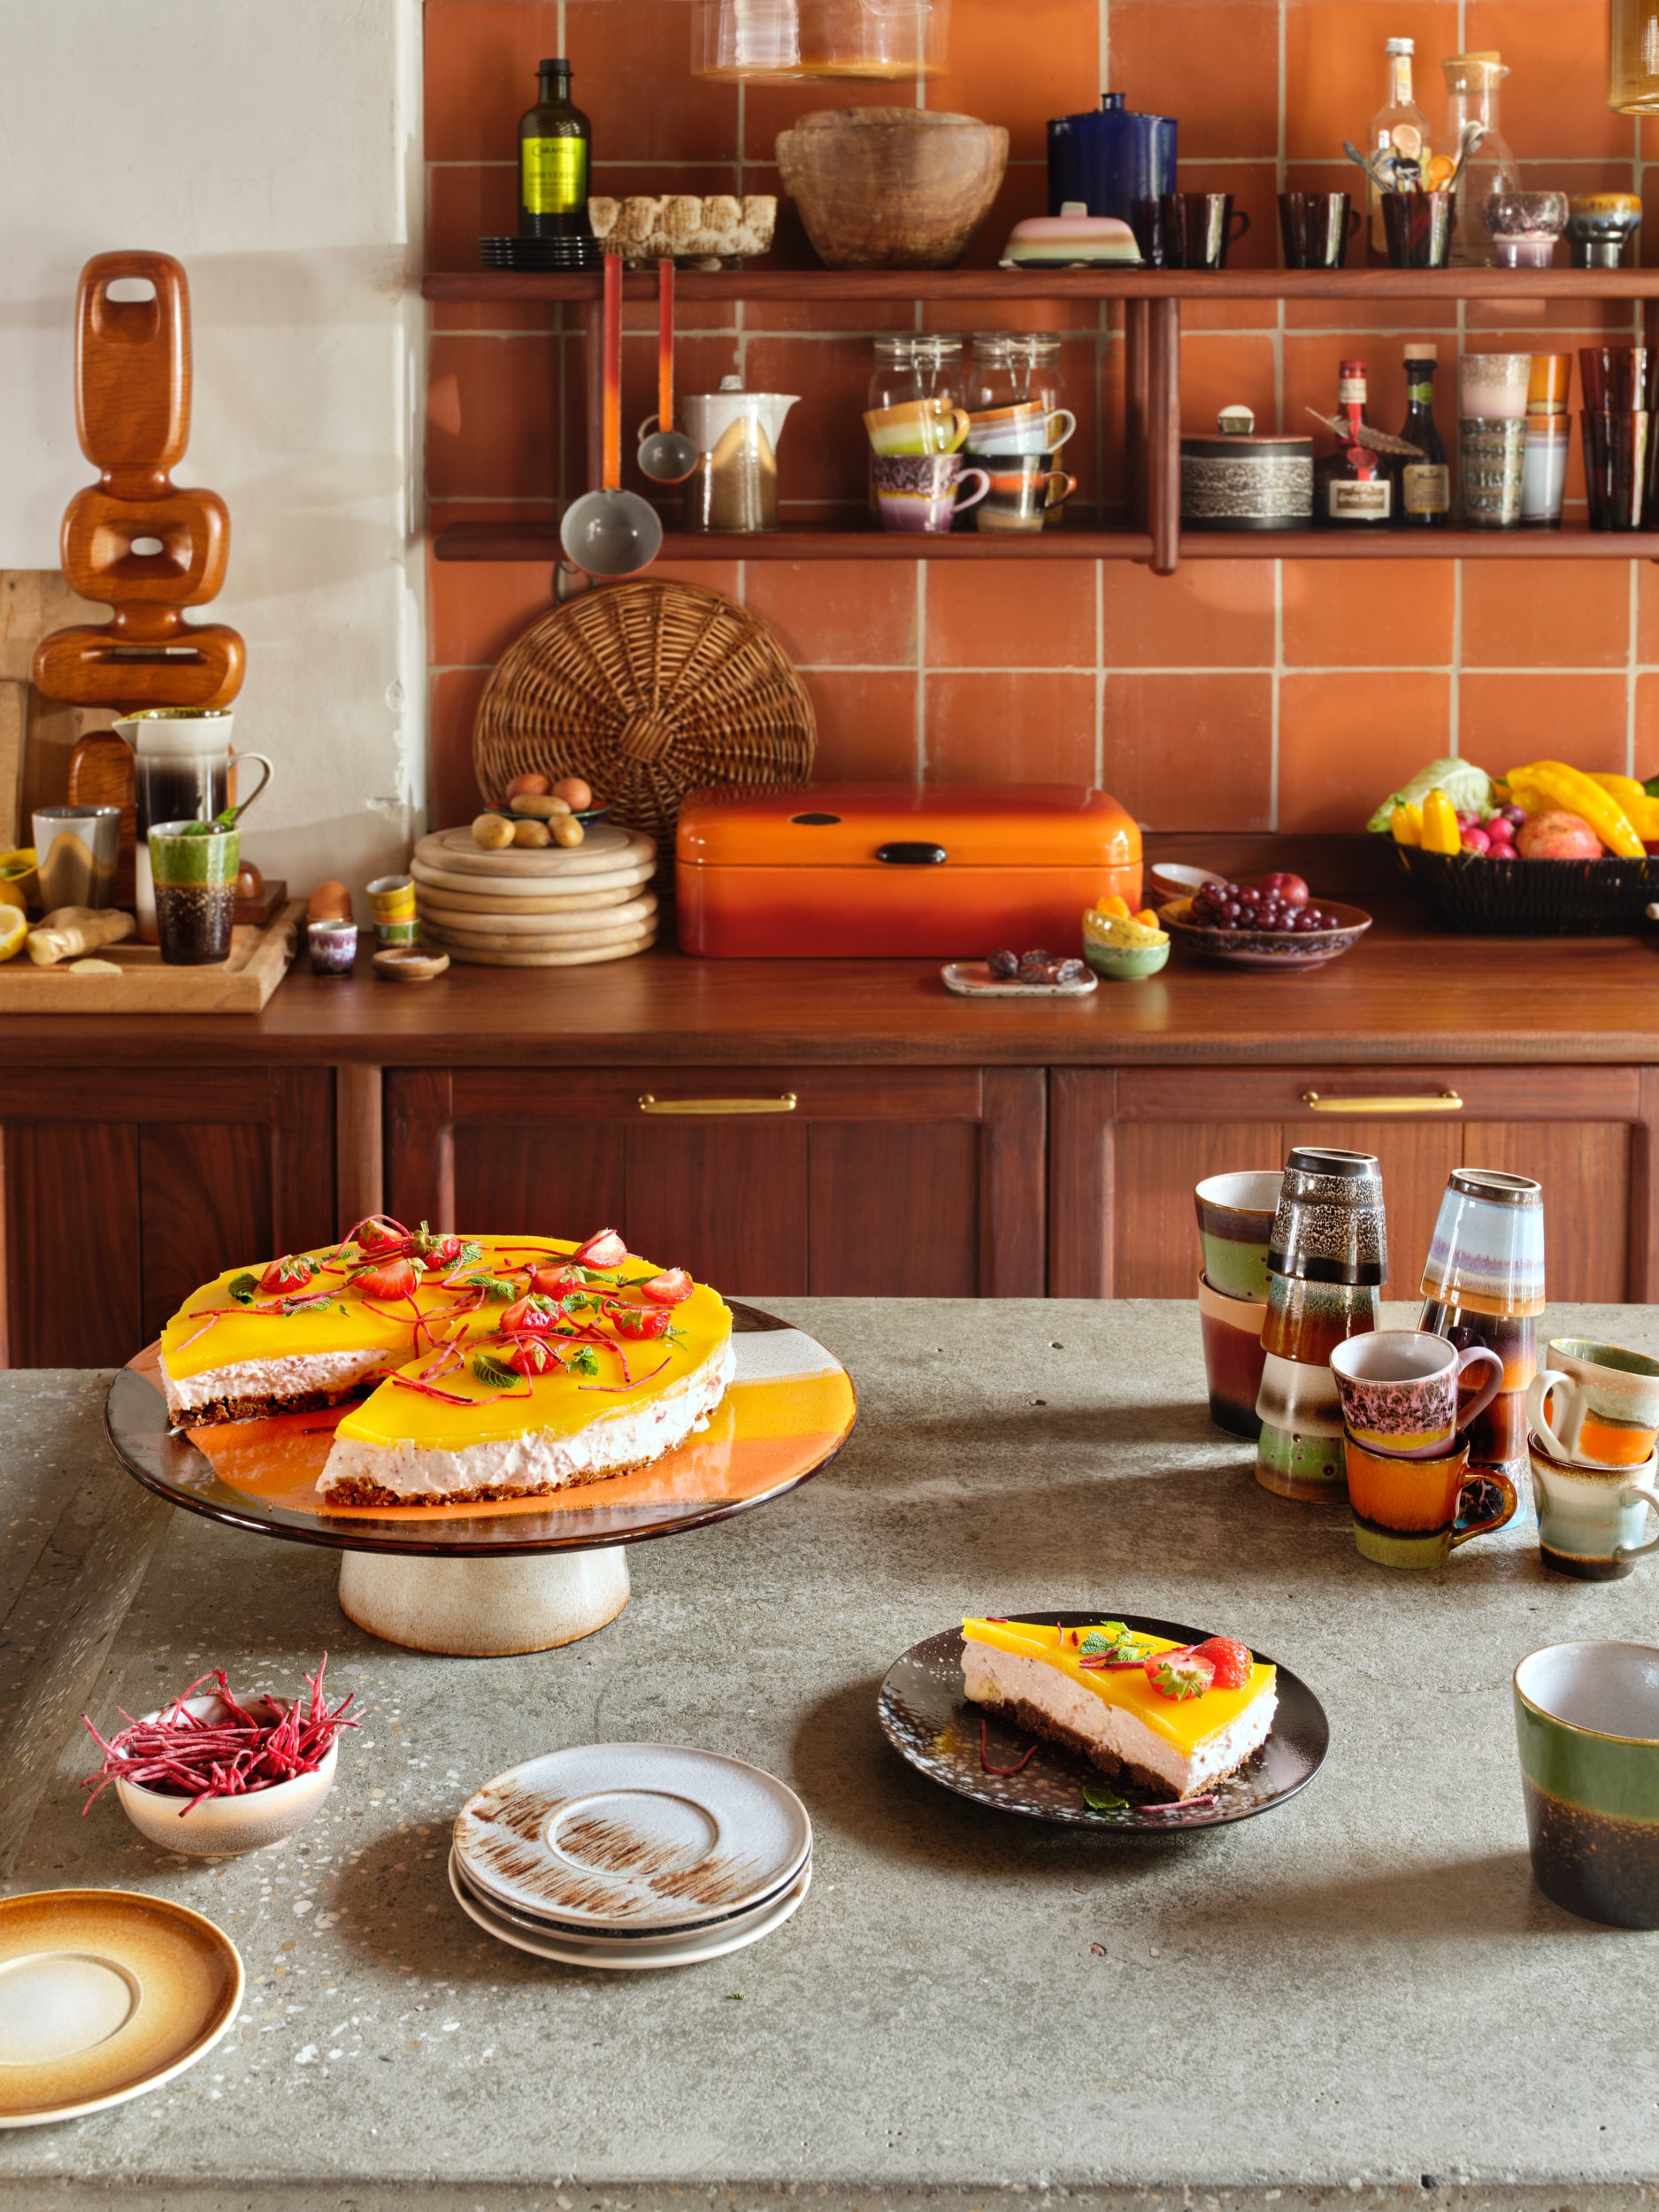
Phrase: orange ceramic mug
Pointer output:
(1411, 1512)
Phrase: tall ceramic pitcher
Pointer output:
(734, 485)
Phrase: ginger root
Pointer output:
(68, 931)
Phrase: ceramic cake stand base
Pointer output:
(484, 1609)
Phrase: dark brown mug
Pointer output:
(1198, 228)
(1315, 227)
(1618, 461)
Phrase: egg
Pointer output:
(528, 786)
(573, 789)
(330, 902)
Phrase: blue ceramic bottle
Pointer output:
(1115, 163)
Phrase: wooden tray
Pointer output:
(258, 961)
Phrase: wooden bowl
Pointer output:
(891, 188)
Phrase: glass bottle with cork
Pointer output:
(1353, 488)
(555, 163)
(1472, 83)
(1399, 126)
(1425, 484)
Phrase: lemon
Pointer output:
(17, 877)
(1101, 928)
(14, 927)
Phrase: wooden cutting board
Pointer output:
(258, 961)
(471, 957)
(508, 890)
(551, 927)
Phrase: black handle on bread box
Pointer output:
(912, 855)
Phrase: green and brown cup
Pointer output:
(1235, 1219)
(1586, 1723)
(195, 866)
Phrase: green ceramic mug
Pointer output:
(1587, 1722)
(195, 866)
(1235, 1219)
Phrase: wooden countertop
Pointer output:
(1406, 992)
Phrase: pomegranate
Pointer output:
(1558, 836)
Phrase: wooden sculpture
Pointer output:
(132, 412)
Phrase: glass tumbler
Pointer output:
(1491, 457)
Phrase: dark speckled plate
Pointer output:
(928, 1721)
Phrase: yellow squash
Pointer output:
(1440, 832)
(1570, 789)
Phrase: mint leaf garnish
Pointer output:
(486, 1369)
(243, 1288)
(584, 1361)
(1103, 1801)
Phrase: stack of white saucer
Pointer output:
(551, 907)
(632, 1856)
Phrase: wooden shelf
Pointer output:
(540, 541)
(944, 286)
(1152, 406)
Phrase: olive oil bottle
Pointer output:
(555, 158)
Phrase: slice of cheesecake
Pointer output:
(1171, 1717)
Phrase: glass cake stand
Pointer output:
(525, 1574)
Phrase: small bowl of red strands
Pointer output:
(221, 1777)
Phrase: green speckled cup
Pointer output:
(1235, 1219)
(1587, 1722)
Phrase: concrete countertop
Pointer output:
(1361, 1992)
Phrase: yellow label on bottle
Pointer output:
(553, 176)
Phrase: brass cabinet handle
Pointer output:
(1434, 1103)
(785, 1104)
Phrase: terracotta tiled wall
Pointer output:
(1236, 695)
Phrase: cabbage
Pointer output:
(1468, 788)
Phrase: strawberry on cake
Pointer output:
(1174, 1717)
(487, 1367)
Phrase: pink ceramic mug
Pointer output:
(1401, 1389)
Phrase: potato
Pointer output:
(540, 809)
(528, 786)
(568, 831)
(575, 792)
(533, 835)
(492, 831)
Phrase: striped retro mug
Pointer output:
(1596, 1404)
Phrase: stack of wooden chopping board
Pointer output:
(557, 908)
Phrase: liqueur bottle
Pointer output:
(555, 149)
(1425, 485)
(1353, 488)
(1399, 126)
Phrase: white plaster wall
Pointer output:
(273, 146)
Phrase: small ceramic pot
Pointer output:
(1595, 1403)
(1328, 1226)
(1401, 1387)
(1235, 1219)
(1299, 1453)
(1592, 1520)
(1307, 1321)
(1417, 1512)
(1586, 1724)
(1231, 1331)
(1487, 1254)
(333, 946)
(223, 1827)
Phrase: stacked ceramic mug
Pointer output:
(1406, 1447)
(1236, 1224)
(1326, 1259)
(1593, 1416)
(1483, 1283)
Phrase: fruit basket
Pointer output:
(1532, 898)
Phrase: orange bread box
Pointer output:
(880, 871)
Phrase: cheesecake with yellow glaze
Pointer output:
(487, 1367)
(470, 1427)
(1046, 1680)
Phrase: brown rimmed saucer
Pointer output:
(930, 1722)
(104, 1994)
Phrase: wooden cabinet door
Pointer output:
(122, 1193)
(896, 1182)
(1128, 1145)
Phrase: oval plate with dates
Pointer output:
(929, 1721)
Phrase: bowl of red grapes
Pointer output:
(1273, 923)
